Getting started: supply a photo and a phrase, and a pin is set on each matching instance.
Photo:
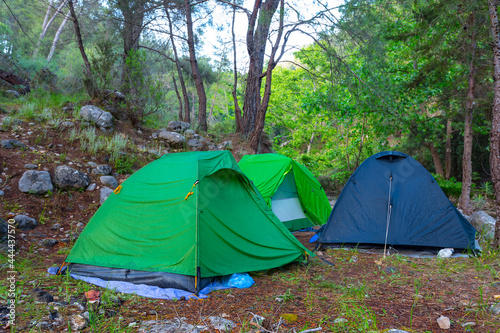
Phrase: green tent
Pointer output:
(292, 191)
(181, 220)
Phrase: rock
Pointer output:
(2, 193)
(91, 187)
(469, 324)
(495, 309)
(445, 253)
(68, 109)
(226, 145)
(174, 140)
(221, 324)
(391, 270)
(66, 124)
(41, 296)
(92, 164)
(194, 144)
(340, 321)
(189, 133)
(483, 223)
(393, 330)
(444, 323)
(55, 226)
(24, 222)
(102, 169)
(178, 126)
(109, 181)
(43, 325)
(37, 182)
(68, 178)
(49, 242)
(11, 144)
(4, 227)
(105, 193)
(30, 166)
(93, 114)
(78, 322)
(13, 93)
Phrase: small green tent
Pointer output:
(180, 221)
(292, 191)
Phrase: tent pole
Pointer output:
(389, 209)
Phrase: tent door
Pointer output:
(286, 205)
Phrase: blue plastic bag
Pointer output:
(238, 280)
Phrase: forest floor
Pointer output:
(361, 292)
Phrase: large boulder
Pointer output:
(173, 139)
(68, 178)
(93, 114)
(36, 182)
(178, 126)
(195, 145)
(483, 223)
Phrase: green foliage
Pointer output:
(102, 59)
(145, 95)
(124, 164)
(450, 187)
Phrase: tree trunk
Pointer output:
(178, 98)
(56, 37)
(309, 145)
(15, 80)
(187, 117)
(495, 121)
(89, 82)
(46, 25)
(200, 90)
(438, 166)
(261, 114)
(237, 110)
(133, 18)
(256, 45)
(467, 154)
(447, 152)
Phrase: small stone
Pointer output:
(469, 324)
(495, 309)
(30, 166)
(11, 144)
(340, 321)
(444, 323)
(55, 226)
(69, 178)
(25, 223)
(2, 193)
(51, 145)
(109, 181)
(102, 169)
(44, 325)
(105, 193)
(41, 296)
(391, 270)
(91, 187)
(49, 242)
(78, 323)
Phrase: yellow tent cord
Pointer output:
(190, 193)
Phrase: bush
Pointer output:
(450, 187)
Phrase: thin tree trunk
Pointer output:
(438, 166)
(212, 107)
(56, 37)
(89, 82)
(495, 121)
(178, 98)
(467, 154)
(200, 89)
(46, 25)
(447, 152)
(261, 114)
(187, 117)
(256, 45)
(309, 145)
(237, 110)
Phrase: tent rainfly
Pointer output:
(292, 192)
(392, 199)
(179, 222)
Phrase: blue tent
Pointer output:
(392, 199)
